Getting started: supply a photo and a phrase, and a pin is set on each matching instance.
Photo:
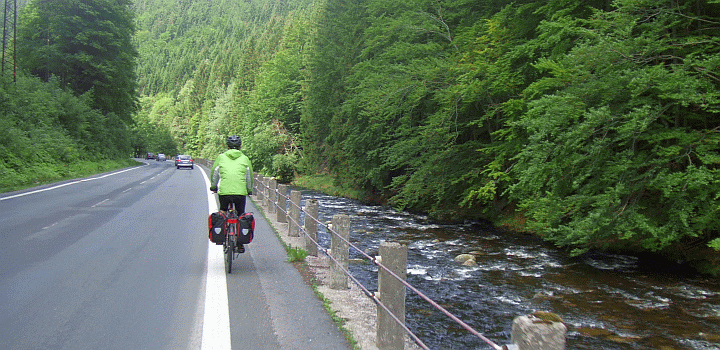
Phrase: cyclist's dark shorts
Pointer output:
(237, 199)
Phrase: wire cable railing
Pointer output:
(379, 264)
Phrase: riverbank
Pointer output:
(687, 254)
(325, 184)
(352, 310)
(607, 301)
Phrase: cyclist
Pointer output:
(232, 177)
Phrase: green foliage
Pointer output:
(48, 134)
(333, 47)
(715, 244)
(284, 167)
(260, 144)
(152, 137)
(389, 93)
(592, 123)
(296, 254)
(229, 76)
(74, 118)
(457, 154)
(622, 146)
(86, 45)
(277, 92)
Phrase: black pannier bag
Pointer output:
(246, 225)
(217, 225)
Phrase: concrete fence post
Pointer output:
(259, 188)
(273, 195)
(255, 187)
(266, 191)
(294, 225)
(340, 251)
(390, 335)
(311, 215)
(539, 331)
(282, 203)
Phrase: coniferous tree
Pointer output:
(86, 45)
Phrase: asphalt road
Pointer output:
(122, 261)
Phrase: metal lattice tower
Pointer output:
(9, 33)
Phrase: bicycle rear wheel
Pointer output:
(229, 254)
(231, 237)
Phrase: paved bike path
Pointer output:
(270, 305)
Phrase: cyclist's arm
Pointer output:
(215, 174)
(252, 176)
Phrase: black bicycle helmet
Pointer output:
(234, 142)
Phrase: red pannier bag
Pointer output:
(246, 228)
(217, 227)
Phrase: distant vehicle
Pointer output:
(150, 155)
(184, 161)
(160, 157)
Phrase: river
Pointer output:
(606, 301)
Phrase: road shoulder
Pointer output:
(356, 310)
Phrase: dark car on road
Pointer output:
(150, 155)
(184, 161)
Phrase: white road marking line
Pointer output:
(127, 190)
(47, 227)
(65, 184)
(216, 321)
(101, 202)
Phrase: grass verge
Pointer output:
(326, 184)
(296, 254)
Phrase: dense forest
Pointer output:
(592, 123)
(68, 90)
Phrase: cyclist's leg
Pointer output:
(239, 203)
(224, 202)
(240, 208)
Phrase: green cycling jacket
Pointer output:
(232, 173)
